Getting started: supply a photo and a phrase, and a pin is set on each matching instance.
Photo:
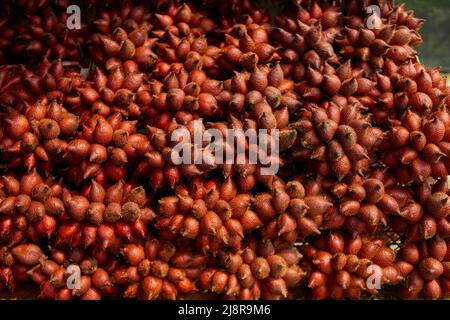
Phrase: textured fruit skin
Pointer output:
(89, 178)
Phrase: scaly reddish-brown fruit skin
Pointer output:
(89, 178)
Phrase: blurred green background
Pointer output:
(435, 51)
